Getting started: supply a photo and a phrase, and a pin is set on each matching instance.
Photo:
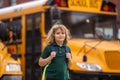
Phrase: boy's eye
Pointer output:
(58, 33)
(63, 33)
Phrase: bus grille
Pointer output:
(112, 59)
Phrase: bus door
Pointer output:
(33, 39)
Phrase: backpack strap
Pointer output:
(44, 71)
(52, 48)
(67, 50)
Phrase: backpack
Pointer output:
(52, 49)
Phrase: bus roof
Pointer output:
(22, 6)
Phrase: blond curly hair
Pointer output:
(51, 33)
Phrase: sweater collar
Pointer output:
(55, 44)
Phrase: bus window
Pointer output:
(33, 32)
(78, 23)
(15, 27)
(33, 39)
(106, 27)
(4, 34)
(118, 33)
(13, 30)
(83, 25)
(47, 20)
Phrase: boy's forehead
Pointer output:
(60, 29)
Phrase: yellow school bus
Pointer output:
(93, 28)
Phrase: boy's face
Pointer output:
(59, 35)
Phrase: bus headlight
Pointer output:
(13, 67)
(90, 67)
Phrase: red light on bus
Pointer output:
(63, 3)
(108, 6)
(57, 2)
(11, 50)
(105, 8)
(111, 8)
(60, 3)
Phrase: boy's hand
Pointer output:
(53, 54)
(68, 56)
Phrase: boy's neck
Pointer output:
(60, 43)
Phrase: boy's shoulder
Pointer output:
(47, 47)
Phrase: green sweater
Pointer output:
(58, 68)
